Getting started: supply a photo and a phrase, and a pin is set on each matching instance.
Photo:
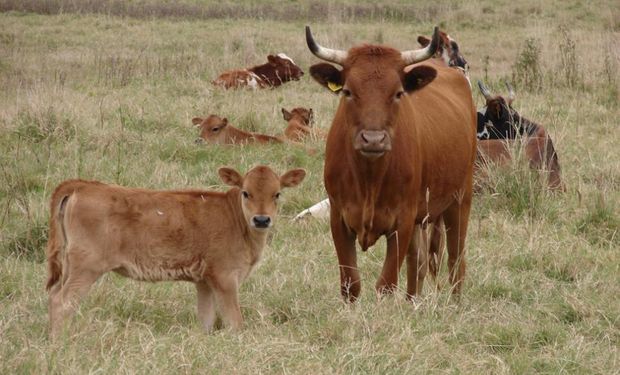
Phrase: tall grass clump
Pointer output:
(527, 70)
(568, 69)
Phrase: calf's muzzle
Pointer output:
(261, 221)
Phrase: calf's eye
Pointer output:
(245, 194)
(277, 196)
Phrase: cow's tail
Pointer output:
(57, 237)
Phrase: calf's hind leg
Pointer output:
(64, 299)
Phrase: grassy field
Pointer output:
(107, 92)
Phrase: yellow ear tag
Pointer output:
(334, 86)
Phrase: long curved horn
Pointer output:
(417, 55)
(327, 54)
(511, 92)
(484, 91)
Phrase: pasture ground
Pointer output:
(107, 92)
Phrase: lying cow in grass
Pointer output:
(210, 238)
(500, 128)
(217, 130)
(278, 70)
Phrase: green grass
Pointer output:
(108, 91)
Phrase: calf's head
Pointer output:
(260, 191)
(303, 115)
(212, 129)
(373, 88)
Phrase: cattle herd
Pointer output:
(402, 153)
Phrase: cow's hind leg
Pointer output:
(65, 299)
(456, 218)
(206, 305)
(417, 262)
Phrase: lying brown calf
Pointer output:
(299, 123)
(210, 238)
(216, 130)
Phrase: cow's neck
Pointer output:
(369, 175)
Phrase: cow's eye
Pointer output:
(277, 195)
(346, 93)
(245, 194)
(399, 95)
(215, 129)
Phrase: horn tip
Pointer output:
(310, 41)
(435, 41)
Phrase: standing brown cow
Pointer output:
(400, 152)
(210, 238)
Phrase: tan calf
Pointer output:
(216, 130)
(210, 238)
(299, 123)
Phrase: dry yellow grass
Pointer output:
(111, 98)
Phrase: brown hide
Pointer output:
(234, 79)
(217, 130)
(278, 70)
(429, 151)
(537, 150)
(299, 124)
(210, 238)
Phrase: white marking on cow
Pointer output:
(253, 80)
(160, 213)
(284, 56)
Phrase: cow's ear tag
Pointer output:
(335, 87)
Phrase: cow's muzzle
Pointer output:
(372, 143)
(199, 141)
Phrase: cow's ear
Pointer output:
(424, 41)
(494, 110)
(418, 77)
(286, 114)
(271, 59)
(292, 178)
(197, 121)
(328, 76)
(224, 121)
(230, 177)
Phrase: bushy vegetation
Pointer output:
(106, 90)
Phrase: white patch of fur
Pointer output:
(284, 56)
(253, 80)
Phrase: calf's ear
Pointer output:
(230, 177)
(224, 121)
(328, 76)
(418, 77)
(197, 121)
(286, 114)
(292, 178)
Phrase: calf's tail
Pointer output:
(57, 237)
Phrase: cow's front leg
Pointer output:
(397, 248)
(344, 240)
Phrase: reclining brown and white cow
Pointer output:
(212, 239)
(279, 69)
